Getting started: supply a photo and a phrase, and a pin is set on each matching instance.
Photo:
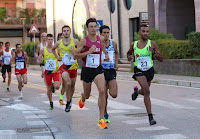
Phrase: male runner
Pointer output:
(51, 68)
(21, 60)
(1, 49)
(143, 51)
(90, 50)
(40, 46)
(109, 67)
(68, 69)
(6, 63)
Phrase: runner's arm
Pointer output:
(13, 57)
(56, 46)
(27, 59)
(1, 54)
(80, 47)
(76, 42)
(156, 52)
(130, 52)
(116, 55)
(40, 59)
(37, 50)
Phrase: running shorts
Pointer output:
(48, 77)
(64, 68)
(149, 74)
(22, 71)
(6, 68)
(110, 74)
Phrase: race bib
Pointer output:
(7, 60)
(144, 63)
(68, 59)
(19, 65)
(50, 65)
(111, 58)
(93, 60)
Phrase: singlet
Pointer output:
(42, 46)
(7, 57)
(143, 57)
(111, 52)
(50, 61)
(92, 60)
(20, 61)
(67, 56)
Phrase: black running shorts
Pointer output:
(110, 74)
(149, 74)
(5, 68)
(88, 74)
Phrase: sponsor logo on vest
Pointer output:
(144, 55)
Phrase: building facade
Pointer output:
(123, 18)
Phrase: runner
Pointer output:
(109, 67)
(90, 50)
(40, 46)
(6, 63)
(60, 36)
(51, 68)
(21, 60)
(68, 69)
(1, 49)
(143, 51)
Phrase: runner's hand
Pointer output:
(39, 60)
(129, 57)
(116, 67)
(59, 59)
(92, 49)
(72, 50)
(2, 64)
(106, 57)
(27, 65)
(152, 50)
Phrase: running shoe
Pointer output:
(135, 94)
(106, 117)
(61, 102)
(20, 98)
(152, 122)
(102, 124)
(8, 89)
(68, 106)
(81, 103)
(51, 106)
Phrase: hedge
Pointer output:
(29, 48)
(194, 39)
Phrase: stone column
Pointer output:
(151, 11)
(197, 14)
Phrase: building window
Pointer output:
(79, 19)
(128, 4)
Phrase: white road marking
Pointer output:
(16, 107)
(116, 111)
(116, 105)
(57, 104)
(167, 104)
(169, 136)
(39, 111)
(42, 137)
(7, 132)
(135, 122)
(152, 128)
(36, 116)
(35, 123)
(193, 100)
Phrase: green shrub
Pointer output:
(29, 48)
(176, 49)
(156, 36)
(3, 13)
(194, 39)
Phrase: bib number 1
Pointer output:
(93, 60)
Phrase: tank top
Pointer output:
(7, 57)
(111, 52)
(50, 61)
(20, 61)
(42, 46)
(67, 56)
(143, 57)
(92, 60)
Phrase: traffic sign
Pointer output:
(34, 29)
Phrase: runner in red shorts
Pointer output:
(21, 62)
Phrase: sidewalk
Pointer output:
(176, 80)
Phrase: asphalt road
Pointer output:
(176, 110)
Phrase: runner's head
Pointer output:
(60, 36)
(44, 36)
(105, 31)
(66, 31)
(1, 44)
(7, 45)
(91, 25)
(18, 47)
(144, 31)
(50, 39)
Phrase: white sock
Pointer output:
(7, 86)
(20, 93)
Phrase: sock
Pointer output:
(68, 102)
(20, 93)
(51, 104)
(150, 116)
(52, 82)
(7, 86)
(61, 96)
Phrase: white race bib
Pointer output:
(50, 65)
(68, 59)
(7, 60)
(19, 65)
(144, 63)
(93, 60)
(111, 58)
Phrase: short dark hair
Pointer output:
(49, 35)
(59, 34)
(7, 43)
(90, 20)
(66, 26)
(17, 44)
(143, 25)
(1, 43)
(104, 27)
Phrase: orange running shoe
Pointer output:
(61, 102)
(102, 124)
(81, 103)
